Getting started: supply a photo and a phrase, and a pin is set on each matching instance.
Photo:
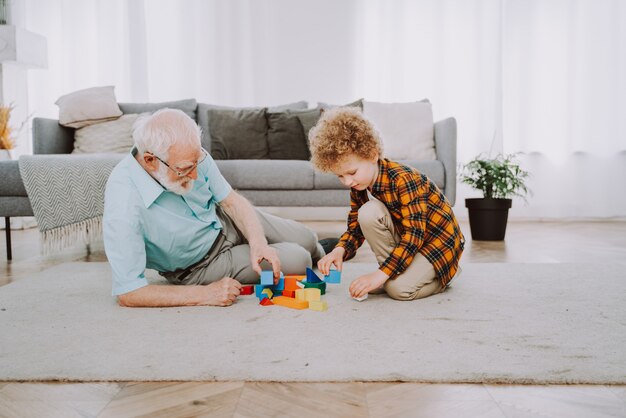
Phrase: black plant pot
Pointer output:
(488, 218)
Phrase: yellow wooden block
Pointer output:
(318, 305)
(300, 295)
(312, 294)
(290, 303)
(268, 292)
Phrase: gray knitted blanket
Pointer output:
(67, 196)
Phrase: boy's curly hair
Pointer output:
(340, 132)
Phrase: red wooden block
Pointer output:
(289, 293)
(247, 290)
(266, 302)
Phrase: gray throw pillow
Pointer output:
(203, 116)
(356, 103)
(188, 106)
(285, 137)
(308, 119)
(238, 134)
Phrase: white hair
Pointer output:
(157, 132)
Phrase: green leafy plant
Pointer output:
(498, 178)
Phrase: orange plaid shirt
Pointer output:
(421, 215)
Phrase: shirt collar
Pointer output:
(149, 189)
(382, 181)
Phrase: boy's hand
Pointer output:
(366, 283)
(334, 257)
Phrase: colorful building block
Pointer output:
(311, 294)
(268, 292)
(300, 295)
(298, 277)
(334, 276)
(290, 303)
(266, 302)
(289, 293)
(321, 286)
(311, 277)
(281, 284)
(247, 290)
(318, 305)
(267, 277)
(291, 283)
(361, 299)
(258, 289)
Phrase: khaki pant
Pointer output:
(419, 279)
(295, 243)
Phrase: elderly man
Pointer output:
(168, 208)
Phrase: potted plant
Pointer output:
(499, 179)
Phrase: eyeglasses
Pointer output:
(185, 170)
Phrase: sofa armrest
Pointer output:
(445, 147)
(51, 138)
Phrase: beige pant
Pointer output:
(419, 279)
(295, 243)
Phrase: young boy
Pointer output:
(409, 223)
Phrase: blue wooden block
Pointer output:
(267, 277)
(258, 288)
(333, 277)
(281, 284)
(311, 277)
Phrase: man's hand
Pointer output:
(334, 257)
(223, 292)
(259, 253)
(366, 283)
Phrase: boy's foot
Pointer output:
(328, 244)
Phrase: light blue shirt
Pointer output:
(146, 226)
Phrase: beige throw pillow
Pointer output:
(89, 106)
(406, 129)
(114, 136)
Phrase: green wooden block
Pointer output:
(321, 286)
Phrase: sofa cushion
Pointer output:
(267, 174)
(203, 116)
(308, 119)
(113, 136)
(434, 170)
(406, 129)
(356, 103)
(88, 106)
(238, 134)
(188, 106)
(285, 137)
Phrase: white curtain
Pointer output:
(545, 77)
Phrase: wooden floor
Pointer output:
(535, 242)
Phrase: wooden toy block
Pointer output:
(321, 286)
(280, 285)
(290, 303)
(318, 305)
(311, 294)
(311, 277)
(268, 292)
(333, 277)
(300, 295)
(278, 292)
(361, 299)
(291, 284)
(267, 277)
(258, 289)
(247, 290)
(266, 302)
(289, 293)
(300, 284)
(298, 277)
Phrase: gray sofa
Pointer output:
(263, 182)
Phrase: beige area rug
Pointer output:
(508, 323)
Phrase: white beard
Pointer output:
(181, 186)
